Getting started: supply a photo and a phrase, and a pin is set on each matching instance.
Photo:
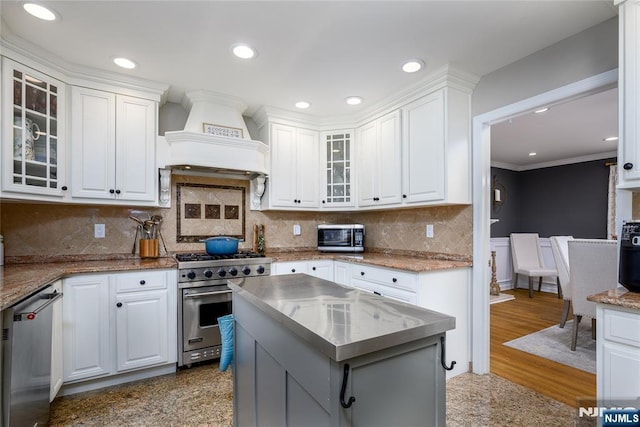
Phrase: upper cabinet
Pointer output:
(113, 146)
(293, 182)
(436, 150)
(33, 136)
(629, 90)
(337, 165)
(379, 161)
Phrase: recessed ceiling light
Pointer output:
(541, 110)
(610, 138)
(412, 65)
(39, 11)
(532, 154)
(124, 63)
(354, 100)
(303, 104)
(243, 51)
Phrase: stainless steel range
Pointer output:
(205, 296)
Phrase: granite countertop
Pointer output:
(20, 280)
(415, 263)
(619, 296)
(339, 322)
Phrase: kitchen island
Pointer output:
(312, 352)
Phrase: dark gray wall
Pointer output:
(559, 200)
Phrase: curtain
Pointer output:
(612, 233)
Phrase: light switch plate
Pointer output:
(99, 231)
(296, 230)
(429, 230)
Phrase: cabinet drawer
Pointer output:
(383, 276)
(621, 327)
(290, 267)
(140, 281)
(385, 291)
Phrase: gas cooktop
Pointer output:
(203, 256)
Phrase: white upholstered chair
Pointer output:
(593, 269)
(527, 260)
(560, 249)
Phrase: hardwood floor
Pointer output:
(522, 316)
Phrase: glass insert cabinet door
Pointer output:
(33, 148)
(338, 168)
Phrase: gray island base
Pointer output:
(309, 352)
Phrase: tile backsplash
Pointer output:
(51, 230)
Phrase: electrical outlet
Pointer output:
(98, 231)
(296, 230)
(429, 230)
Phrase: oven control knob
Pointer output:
(208, 274)
(191, 275)
(233, 271)
(260, 269)
(222, 273)
(246, 270)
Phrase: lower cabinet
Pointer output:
(57, 369)
(617, 355)
(445, 291)
(117, 323)
(318, 268)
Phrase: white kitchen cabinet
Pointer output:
(34, 133)
(57, 368)
(338, 186)
(629, 92)
(113, 147)
(321, 268)
(617, 355)
(117, 323)
(386, 282)
(86, 331)
(448, 292)
(294, 177)
(379, 161)
(289, 267)
(141, 320)
(436, 149)
(342, 273)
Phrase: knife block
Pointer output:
(149, 248)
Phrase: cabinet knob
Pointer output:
(142, 282)
(64, 188)
(117, 191)
(111, 190)
(362, 273)
(293, 270)
(323, 202)
(394, 280)
(404, 196)
(628, 166)
(119, 305)
(313, 268)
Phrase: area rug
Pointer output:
(554, 343)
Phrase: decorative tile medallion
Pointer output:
(213, 200)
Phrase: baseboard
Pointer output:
(94, 384)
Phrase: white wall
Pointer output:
(583, 55)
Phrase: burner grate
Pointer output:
(203, 256)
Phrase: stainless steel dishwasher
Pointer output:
(26, 342)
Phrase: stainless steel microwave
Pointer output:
(341, 237)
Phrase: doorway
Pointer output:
(481, 130)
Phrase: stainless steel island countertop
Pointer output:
(338, 321)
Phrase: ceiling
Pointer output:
(318, 51)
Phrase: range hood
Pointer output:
(215, 138)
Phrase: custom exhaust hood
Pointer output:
(215, 138)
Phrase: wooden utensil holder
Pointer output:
(149, 248)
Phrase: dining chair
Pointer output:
(593, 269)
(527, 260)
(560, 249)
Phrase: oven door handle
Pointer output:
(204, 294)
